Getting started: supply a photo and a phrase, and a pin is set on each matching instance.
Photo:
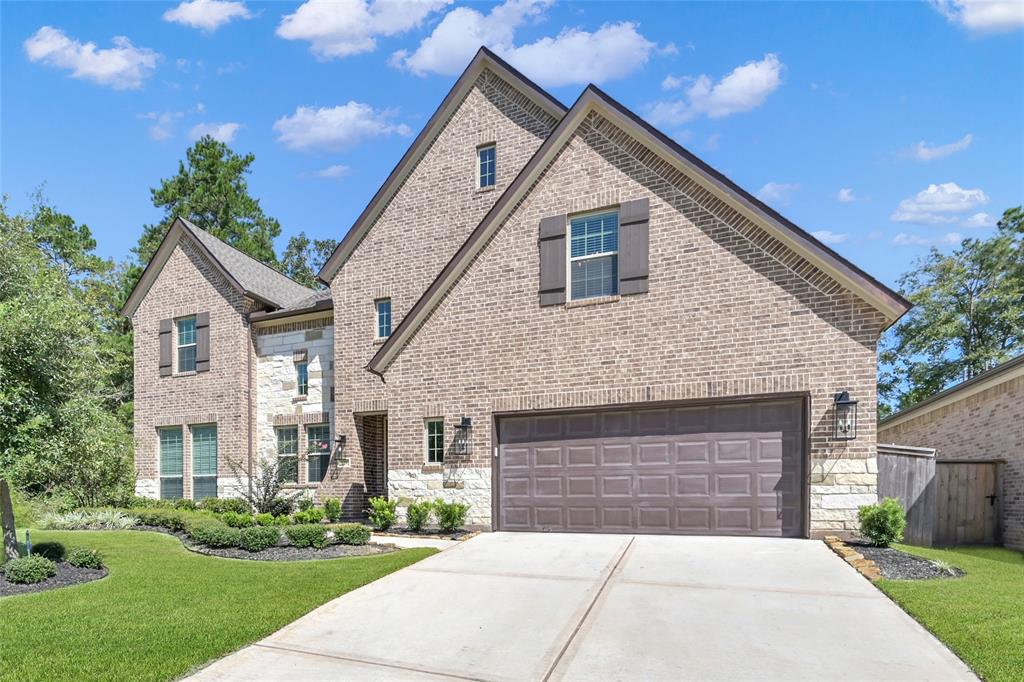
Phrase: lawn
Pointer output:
(979, 616)
(164, 610)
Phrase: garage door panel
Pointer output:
(726, 469)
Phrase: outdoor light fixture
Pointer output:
(846, 417)
(465, 423)
(336, 460)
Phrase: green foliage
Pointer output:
(213, 533)
(418, 514)
(236, 520)
(303, 258)
(351, 534)
(968, 315)
(268, 519)
(29, 570)
(85, 558)
(883, 523)
(184, 505)
(258, 538)
(382, 512)
(305, 504)
(88, 519)
(222, 505)
(54, 551)
(171, 519)
(308, 516)
(332, 509)
(451, 516)
(308, 535)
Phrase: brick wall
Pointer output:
(189, 284)
(986, 425)
(730, 312)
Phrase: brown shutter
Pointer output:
(552, 260)
(166, 328)
(203, 342)
(634, 218)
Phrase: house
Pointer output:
(981, 419)
(559, 316)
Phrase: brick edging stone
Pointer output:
(866, 567)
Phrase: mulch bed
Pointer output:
(428, 533)
(67, 575)
(897, 565)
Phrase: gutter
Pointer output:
(263, 315)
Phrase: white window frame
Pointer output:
(426, 440)
(178, 346)
(299, 393)
(391, 316)
(479, 174)
(569, 260)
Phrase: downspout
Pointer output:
(250, 351)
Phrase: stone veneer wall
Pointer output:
(986, 425)
(731, 312)
(277, 403)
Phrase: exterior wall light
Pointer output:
(339, 452)
(846, 417)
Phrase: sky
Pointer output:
(885, 129)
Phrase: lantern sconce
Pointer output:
(846, 417)
(339, 452)
(465, 424)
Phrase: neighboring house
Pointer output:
(979, 419)
(558, 316)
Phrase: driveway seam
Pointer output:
(586, 614)
(499, 574)
(380, 664)
(742, 588)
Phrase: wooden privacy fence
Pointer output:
(948, 502)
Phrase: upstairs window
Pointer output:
(302, 377)
(486, 157)
(435, 441)
(384, 318)
(187, 344)
(318, 451)
(594, 255)
(288, 454)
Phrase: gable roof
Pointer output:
(484, 59)
(881, 297)
(1003, 372)
(244, 273)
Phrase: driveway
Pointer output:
(525, 606)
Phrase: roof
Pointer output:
(484, 59)
(1005, 371)
(244, 273)
(891, 304)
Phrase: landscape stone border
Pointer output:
(866, 567)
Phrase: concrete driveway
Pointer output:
(518, 606)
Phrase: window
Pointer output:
(435, 441)
(318, 451)
(594, 255)
(187, 344)
(302, 377)
(384, 318)
(487, 169)
(288, 454)
(204, 462)
(171, 462)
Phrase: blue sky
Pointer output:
(886, 128)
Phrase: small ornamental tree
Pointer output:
(265, 491)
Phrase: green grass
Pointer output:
(164, 610)
(979, 616)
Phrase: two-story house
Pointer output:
(559, 316)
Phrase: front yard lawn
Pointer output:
(979, 616)
(164, 610)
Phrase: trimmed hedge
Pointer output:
(382, 512)
(213, 533)
(332, 509)
(307, 535)
(223, 505)
(29, 570)
(351, 534)
(236, 520)
(451, 516)
(258, 538)
(54, 551)
(308, 516)
(268, 519)
(85, 558)
(417, 514)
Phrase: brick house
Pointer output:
(559, 316)
(979, 419)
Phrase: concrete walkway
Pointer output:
(516, 606)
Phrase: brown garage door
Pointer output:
(725, 469)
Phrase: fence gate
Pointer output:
(967, 503)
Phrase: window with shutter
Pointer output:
(187, 344)
(594, 255)
(552, 260)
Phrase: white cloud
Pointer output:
(335, 171)
(336, 127)
(938, 204)
(122, 67)
(339, 28)
(744, 88)
(904, 239)
(163, 123)
(983, 16)
(208, 15)
(845, 196)
(925, 151)
(222, 132)
(979, 220)
(777, 192)
(613, 51)
(712, 142)
(671, 82)
(830, 237)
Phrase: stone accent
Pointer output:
(147, 487)
(838, 489)
(866, 567)
(417, 484)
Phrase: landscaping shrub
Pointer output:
(184, 505)
(213, 533)
(308, 516)
(223, 505)
(258, 538)
(305, 504)
(280, 506)
(382, 512)
(29, 570)
(88, 519)
(418, 514)
(309, 535)
(85, 558)
(268, 519)
(138, 502)
(351, 534)
(332, 509)
(883, 523)
(451, 516)
(54, 551)
(236, 520)
(171, 519)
